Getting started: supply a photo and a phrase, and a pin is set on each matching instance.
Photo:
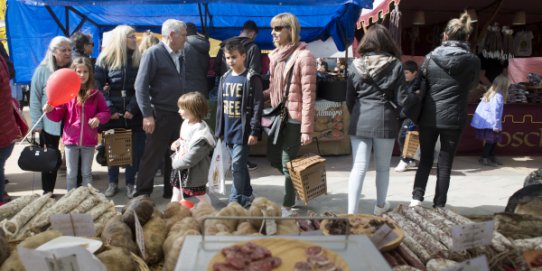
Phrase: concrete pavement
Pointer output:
(474, 189)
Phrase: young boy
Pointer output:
(239, 109)
(411, 71)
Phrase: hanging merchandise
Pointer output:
(507, 43)
(395, 25)
(523, 43)
(493, 44)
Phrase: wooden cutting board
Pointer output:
(290, 251)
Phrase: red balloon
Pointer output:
(62, 86)
(186, 203)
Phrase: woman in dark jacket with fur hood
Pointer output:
(451, 71)
(376, 81)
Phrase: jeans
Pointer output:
(449, 140)
(361, 151)
(241, 190)
(72, 163)
(5, 152)
(138, 144)
(48, 179)
(286, 149)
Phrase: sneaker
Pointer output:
(414, 203)
(111, 190)
(412, 163)
(251, 166)
(486, 162)
(286, 211)
(492, 159)
(249, 201)
(5, 197)
(130, 191)
(402, 166)
(379, 211)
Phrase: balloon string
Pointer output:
(32, 129)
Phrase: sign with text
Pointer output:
(475, 264)
(73, 224)
(75, 258)
(383, 236)
(472, 235)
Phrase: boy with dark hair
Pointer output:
(410, 69)
(239, 109)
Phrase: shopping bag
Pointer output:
(220, 164)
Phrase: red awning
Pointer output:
(380, 11)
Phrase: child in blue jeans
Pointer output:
(239, 109)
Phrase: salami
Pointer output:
(314, 251)
(12, 226)
(24, 232)
(410, 257)
(428, 226)
(302, 266)
(249, 256)
(433, 246)
(86, 205)
(11, 208)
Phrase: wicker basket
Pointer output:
(118, 147)
(308, 175)
(412, 142)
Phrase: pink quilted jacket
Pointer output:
(302, 93)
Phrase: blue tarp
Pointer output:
(32, 24)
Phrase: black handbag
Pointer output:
(274, 118)
(39, 159)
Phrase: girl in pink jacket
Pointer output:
(81, 117)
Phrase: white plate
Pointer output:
(70, 241)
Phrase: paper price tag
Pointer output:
(383, 236)
(472, 235)
(140, 239)
(270, 224)
(73, 258)
(474, 264)
(66, 263)
(73, 224)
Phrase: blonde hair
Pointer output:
(289, 20)
(195, 103)
(500, 85)
(147, 41)
(459, 28)
(49, 59)
(115, 54)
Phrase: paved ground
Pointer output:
(474, 190)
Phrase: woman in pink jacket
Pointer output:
(291, 63)
(81, 117)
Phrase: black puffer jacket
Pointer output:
(452, 72)
(196, 55)
(372, 112)
(119, 79)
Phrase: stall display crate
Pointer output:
(118, 147)
(308, 175)
(412, 142)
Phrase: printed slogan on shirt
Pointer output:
(232, 99)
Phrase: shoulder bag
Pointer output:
(39, 159)
(274, 118)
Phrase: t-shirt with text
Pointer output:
(232, 96)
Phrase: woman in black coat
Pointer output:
(115, 73)
(450, 71)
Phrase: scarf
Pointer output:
(280, 57)
(372, 65)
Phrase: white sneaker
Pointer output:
(379, 211)
(130, 191)
(414, 203)
(286, 212)
(111, 190)
(402, 166)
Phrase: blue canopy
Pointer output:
(32, 24)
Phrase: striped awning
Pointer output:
(380, 9)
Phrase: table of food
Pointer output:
(280, 253)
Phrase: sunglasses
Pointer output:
(279, 28)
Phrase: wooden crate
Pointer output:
(412, 143)
(308, 175)
(118, 147)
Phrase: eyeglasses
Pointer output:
(279, 28)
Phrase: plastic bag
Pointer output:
(220, 164)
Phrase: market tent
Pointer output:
(32, 24)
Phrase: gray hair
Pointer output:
(49, 59)
(172, 25)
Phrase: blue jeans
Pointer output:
(5, 152)
(361, 152)
(138, 145)
(73, 153)
(241, 190)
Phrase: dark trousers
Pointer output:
(449, 140)
(48, 179)
(489, 150)
(166, 130)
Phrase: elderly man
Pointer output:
(158, 86)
